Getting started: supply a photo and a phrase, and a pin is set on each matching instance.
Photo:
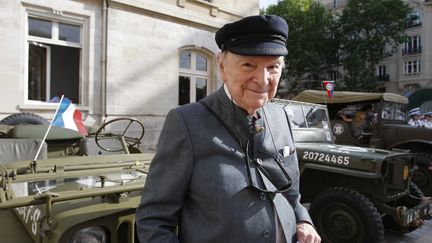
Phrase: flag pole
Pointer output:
(47, 131)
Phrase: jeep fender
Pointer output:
(422, 149)
(353, 179)
(415, 146)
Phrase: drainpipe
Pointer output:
(104, 59)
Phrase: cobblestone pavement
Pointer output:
(422, 235)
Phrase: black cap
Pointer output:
(254, 36)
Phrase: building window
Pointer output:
(333, 75)
(413, 20)
(382, 74)
(412, 67)
(193, 77)
(335, 3)
(54, 58)
(412, 45)
(382, 70)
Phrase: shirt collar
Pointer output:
(228, 93)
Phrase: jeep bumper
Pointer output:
(408, 217)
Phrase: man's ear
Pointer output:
(220, 61)
(221, 65)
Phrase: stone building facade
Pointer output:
(409, 69)
(113, 58)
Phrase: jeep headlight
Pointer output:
(405, 172)
(94, 234)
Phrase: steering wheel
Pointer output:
(125, 140)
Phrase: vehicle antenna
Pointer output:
(33, 164)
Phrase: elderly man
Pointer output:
(226, 169)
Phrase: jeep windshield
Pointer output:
(310, 122)
(30, 188)
(393, 111)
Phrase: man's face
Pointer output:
(251, 80)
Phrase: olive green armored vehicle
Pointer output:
(385, 126)
(354, 192)
(66, 194)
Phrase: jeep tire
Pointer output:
(23, 118)
(342, 215)
(422, 176)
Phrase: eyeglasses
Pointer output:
(274, 172)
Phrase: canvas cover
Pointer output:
(320, 97)
(21, 149)
(38, 131)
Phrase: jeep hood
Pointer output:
(319, 97)
(54, 195)
(345, 156)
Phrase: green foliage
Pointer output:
(311, 43)
(358, 38)
(370, 30)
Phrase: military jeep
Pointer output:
(86, 199)
(22, 133)
(70, 196)
(354, 192)
(385, 126)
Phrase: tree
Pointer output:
(311, 43)
(370, 30)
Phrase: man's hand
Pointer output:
(306, 233)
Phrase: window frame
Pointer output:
(193, 74)
(335, 4)
(333, 75)
(47, 69)
(83, 71)
(413, 19)
(382, 70)
(412, 46)
(410, 66)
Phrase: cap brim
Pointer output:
(260, 49)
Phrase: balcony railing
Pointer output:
(412, 24)
(411, 51)
(384, 77)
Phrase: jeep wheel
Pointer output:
(19, 118)
(412, 200)
(422, 176)
(415, 191)
(342, 215)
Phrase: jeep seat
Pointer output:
(21, 149)
(38, 132)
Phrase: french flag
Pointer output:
(69, 117)
(329, 86)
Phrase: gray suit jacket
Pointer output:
(198, 179)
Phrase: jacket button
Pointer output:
(266, 233)
(259, 161)
(262, 196)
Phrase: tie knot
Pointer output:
(252, 125)
(255, 125)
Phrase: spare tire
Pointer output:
(25, 117)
